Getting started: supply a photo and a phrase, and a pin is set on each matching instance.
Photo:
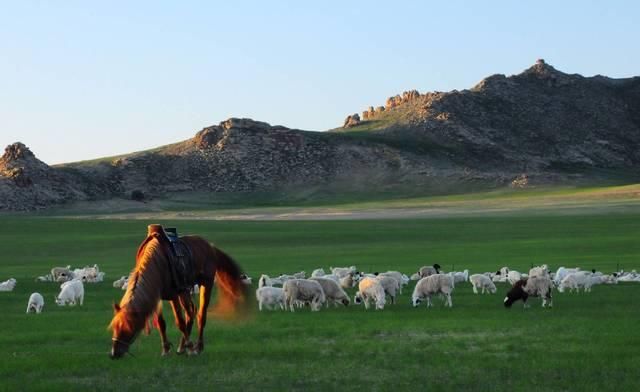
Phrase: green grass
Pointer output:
(587, 342)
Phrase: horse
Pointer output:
(151, 282)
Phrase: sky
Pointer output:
(87, 79)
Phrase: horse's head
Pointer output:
(124, 332)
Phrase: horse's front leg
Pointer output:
(181, 324)
(161, 325)
(205, 297)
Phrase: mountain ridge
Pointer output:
(539, 126)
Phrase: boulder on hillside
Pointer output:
(351, 121)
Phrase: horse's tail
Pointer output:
(232, 292)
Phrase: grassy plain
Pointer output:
(586, 342)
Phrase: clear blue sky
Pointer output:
(86, 79)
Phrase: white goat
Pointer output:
(71, 293)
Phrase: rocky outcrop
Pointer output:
(351, 121)
(392, 102)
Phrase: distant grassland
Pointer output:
(586, 342)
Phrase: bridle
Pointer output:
(126, 344)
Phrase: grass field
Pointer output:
(586, 342)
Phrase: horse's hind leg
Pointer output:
(205, 297)
(190, 315)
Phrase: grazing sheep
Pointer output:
(270, 297)
(370, 289)
(390, 285)
(62, 274)
(317, 273)
(562, 272)
(513, 277)
(427, 271)
(71, 292)
(36, 303)
(459, 277)
(303, 290)
(397, 276)
(537, 286)
(341, 272)
(332, 291)
(574, 281)
(265, 280)
(246, 279)
(433, 284)
(481, 281)
(8, 285)
(542, 270)
(122, 282)
(89, 274)
(347, 282)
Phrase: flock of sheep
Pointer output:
(71, 288)
(288, 292)
(374, 289)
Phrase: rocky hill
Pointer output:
(540, 126)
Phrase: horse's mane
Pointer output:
(145, 283)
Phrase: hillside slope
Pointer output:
(538, 127)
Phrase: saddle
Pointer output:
(181, 264)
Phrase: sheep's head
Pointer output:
(415, 302)
(346, 301)
(357, 299)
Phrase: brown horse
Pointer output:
(151, 282)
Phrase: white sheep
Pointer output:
(483, 282)
(427, 270)
(542, 270)
(122, 282)
(562, 272)
(332, 291)
(270, 297)
(390, 285)
(265, 280)
(36, 303)
(303, 290)
(8, 285)
(433, 284)
(459, 277)
(246, 279)
(71, 293)
(397, 276)
(370, 289)
(574, 281)
(341, 272)
(317, 273)
(513, 277)
(62, 274)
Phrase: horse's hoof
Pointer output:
(180, 351)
